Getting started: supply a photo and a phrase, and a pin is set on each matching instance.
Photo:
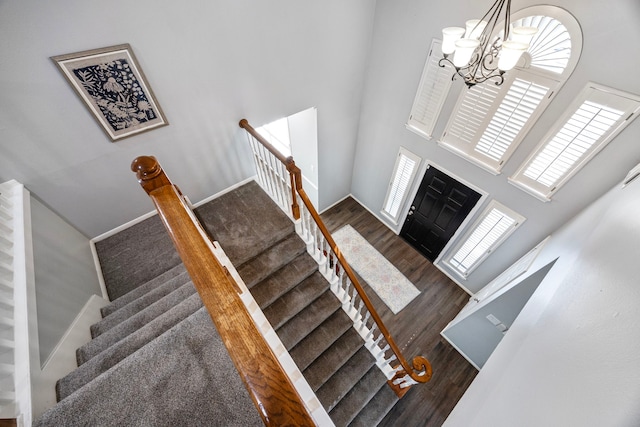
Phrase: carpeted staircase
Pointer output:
(156, 359)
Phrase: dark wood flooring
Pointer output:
(416, 329)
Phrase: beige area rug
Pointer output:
(391, 286)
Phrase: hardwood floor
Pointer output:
(417, 327)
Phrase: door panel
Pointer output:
(440, 206)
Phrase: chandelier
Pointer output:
(476, 57)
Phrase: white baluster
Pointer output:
(377, 341)
(333, 261)
(347, 297)
(267, 174)
(359, 314)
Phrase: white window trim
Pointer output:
(494, 204)
(406, 190)
(545, 193)
(433, 75)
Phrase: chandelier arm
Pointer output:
(442, 64)
(483, 64)
(495, 11)
(507, 22)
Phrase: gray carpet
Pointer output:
(136, 255)
(156, 358)
(140, 391)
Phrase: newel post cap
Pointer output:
(146, 168)
(149, 173)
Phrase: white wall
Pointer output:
(210, 63)
(65, 275)
(571, 358)
(303, 132)
(403, 30)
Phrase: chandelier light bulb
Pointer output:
(464, 51)
(482, 53)
(449, 37)
(474, 28)
(510, 54)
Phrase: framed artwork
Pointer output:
(114, 88)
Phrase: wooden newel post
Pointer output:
(149, 173)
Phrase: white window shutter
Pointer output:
(404, 172)
(432, 93)
(510, 118)
(490, 121)
(495, 224)
(471, 112)
(593, 120)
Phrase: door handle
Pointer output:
(413, 208)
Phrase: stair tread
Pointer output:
(245, 221)
(162, 384)
(297, 299)
(320, 339)
(292, 332)
(283, 280)
(358, 397)
(376, 409)
(344, 378)
(129, 261)
(274, 258)
(133, 323)
(126, 347)
(142, 289)
(331, 360)
(138, 304)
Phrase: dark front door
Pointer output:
(440, 206)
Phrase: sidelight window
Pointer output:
(404, 172)
(493, 227)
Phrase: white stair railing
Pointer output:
(275, 174)
(15, 378)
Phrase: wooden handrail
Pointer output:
(419, 363)
(271, 390)
(287, 161)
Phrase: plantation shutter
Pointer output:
(432, 92)
(512, 115)
(589, 124)
(490, 121)
(495, 225)
(471, 111)
(403, 173)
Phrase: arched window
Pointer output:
(489, 121)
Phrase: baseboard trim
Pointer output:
(96, 262)
(382, 220)
(152, 213)
(118, 229)
(225, 191)
(334, 204)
